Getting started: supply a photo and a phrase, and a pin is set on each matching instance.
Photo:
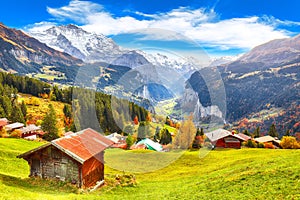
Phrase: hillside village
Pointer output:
(67, 148)
(38, 120)
(149, 100)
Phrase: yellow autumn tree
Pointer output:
(186, 134)
(289, 142)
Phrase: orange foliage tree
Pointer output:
(136, 120)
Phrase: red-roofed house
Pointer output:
(77, 158)
(222, 138)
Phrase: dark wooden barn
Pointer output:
(77, 158)
(221, 138)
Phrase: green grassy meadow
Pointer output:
(221, 174)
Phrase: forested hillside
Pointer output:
(85, 102)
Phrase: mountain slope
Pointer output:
(271, 54)
(258, 82)
(24, 54)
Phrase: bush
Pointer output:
(269, 145)
(251, 144)
(120, 180)
(129, 141)
(3, 133)
(289, 142)
(260, 145)
(16, 134)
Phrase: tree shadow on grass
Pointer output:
(45, 186)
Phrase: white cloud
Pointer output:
(39, 27)
(76, 10)
(200, 25)
(235, 33)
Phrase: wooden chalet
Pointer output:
(77, 158)
(222, 138)
(31, 132)
(268, 139)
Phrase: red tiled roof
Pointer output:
(82, 145)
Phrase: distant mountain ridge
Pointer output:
(271, 54)
(92, 47)
(22, 53)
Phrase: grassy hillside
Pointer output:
(222, 174)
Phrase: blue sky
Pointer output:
(221, 27)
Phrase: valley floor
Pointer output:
(221, 174)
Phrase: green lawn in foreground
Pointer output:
(222, 174)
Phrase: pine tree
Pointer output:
(256, 132)
(273, 132)
(157, 134)
(287, 133)
(49, 124)
(246, 132)
(166, 137)
(24, 109)
(143, 131)
(2, 112)
(6, 104)
(67, 111)
(200, 132)
(17, 115)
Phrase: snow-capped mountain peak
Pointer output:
(79, 43)
(92, 47)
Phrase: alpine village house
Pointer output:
(221, 138)
(77, 158)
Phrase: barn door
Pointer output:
(35, 167)
(60, 170)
